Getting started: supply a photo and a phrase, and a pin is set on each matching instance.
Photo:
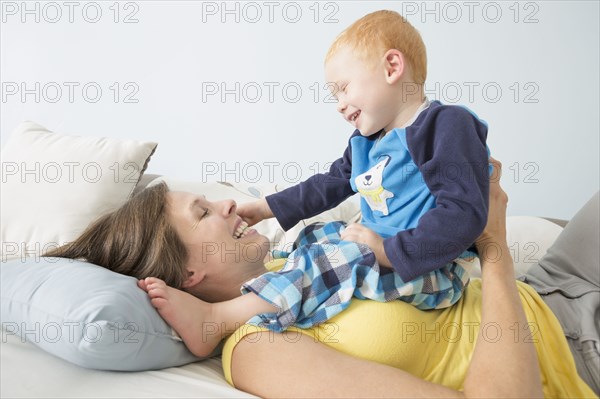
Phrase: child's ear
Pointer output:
(394, 65)
(194, 278)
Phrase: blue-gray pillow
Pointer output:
(87, 315)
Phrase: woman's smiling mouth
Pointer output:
(242, 230)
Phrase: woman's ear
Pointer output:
(194, 278)
(394, 65)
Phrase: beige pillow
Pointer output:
(53, 185)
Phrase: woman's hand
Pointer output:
(493, 238)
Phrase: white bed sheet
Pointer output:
(27, 371)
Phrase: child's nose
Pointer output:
(341, 106)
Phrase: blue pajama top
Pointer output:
(424, 188)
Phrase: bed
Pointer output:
(29, 369)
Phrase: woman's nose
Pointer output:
(341, 106)
(229, 207)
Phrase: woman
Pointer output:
(196, 245)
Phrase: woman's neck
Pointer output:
(226, 284)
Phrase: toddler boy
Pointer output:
(421, 167)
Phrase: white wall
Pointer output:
(543, 56)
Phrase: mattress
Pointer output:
(27, 371)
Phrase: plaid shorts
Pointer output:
(323, 273)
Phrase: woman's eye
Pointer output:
(204, 213)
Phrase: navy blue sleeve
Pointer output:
(316, 194)
(449, 148)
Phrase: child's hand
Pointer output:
(358, 233)
(254, 212)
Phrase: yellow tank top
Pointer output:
(437, 345)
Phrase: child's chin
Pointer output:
(367, 133)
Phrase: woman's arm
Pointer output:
(291, 365)
(502, 368)
(275, 365)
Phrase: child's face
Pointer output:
(366, 99)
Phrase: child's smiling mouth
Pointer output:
(353, 117)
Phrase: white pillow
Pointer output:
(348, 211)
(528, 238)
(53, 185)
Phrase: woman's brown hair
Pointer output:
(136, 239)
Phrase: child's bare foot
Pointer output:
(190, 317)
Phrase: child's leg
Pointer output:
(319, 232)
(200, 324)
(438, 289)
(317, 282)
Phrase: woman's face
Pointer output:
(214, 235)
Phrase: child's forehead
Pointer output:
(338, 67)
(343, 51)
(345, 61)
